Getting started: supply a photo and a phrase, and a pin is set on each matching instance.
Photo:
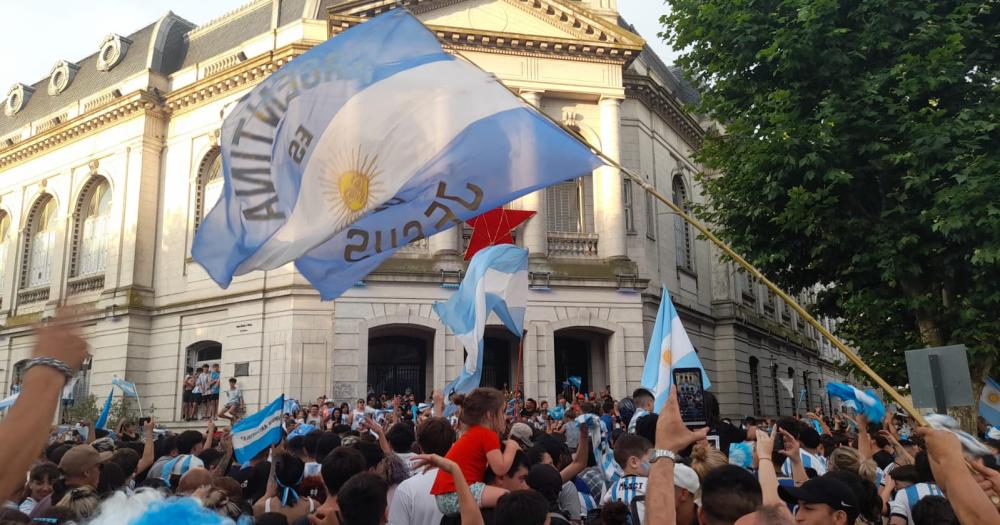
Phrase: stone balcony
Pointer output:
(572, 244)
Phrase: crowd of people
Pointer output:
(499, 459)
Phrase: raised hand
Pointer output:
(671, 432)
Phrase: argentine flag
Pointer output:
(989, 402)
(257, 432)
(369, 141)
(102, 420)
(497, 281)
(669, 348)
(865, 402)
(127, 388)
(9, 401)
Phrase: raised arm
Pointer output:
(672, 435)
(794, 453)
(500, 462)
(148, 448)
(580, 460)
(25, 430)
(767, 475)
(967, 498)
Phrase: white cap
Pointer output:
(686, 478)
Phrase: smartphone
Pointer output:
(143, 421)
(690, 396)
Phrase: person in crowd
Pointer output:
(811, 453)
(482, 415)
(214, 386)
(413, 503)
(81, 467)
(40, 482)
(234, 402)
(314, 418)
(189, 399)
(339, 466)
(175, 463)
(545, 480)
(400, 438)
(632, 453)
(643, 400)
(522, 507)
(705, 458)
(282, 494)
(127, 431)
(201, 391)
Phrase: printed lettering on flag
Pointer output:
(367, 142)
(259, 431)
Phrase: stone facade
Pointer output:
(145, 129)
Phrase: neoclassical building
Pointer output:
(108, 165)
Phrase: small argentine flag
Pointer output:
(127, 388)
(865, 402)
(989, 402)
(669, 348)
(497, 282)
(259, 431)
(367, 142)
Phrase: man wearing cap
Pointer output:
(81, 466)
(822, 501)
(686, 487)
(522, 433)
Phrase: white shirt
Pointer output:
(234, 396)
(809, 460)
(902, 505)
(413, 503)
(360, 416)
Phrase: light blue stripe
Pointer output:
(247, 452)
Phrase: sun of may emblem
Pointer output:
(666, 356)
(993, 397)
(351, 184)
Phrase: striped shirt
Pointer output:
(625, 489)
(809, 460)
(902, 505)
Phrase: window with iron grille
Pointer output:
(210, 184)
(682, 230)
(39, 242)
(755, 385)
(775, 390)
(91, 229)
(627, 206)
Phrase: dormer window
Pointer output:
(112, 51)
(17, 97)
(61, 76)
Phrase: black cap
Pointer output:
(824, 489)
(546, 480)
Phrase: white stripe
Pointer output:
(513, 287)
(405, 119)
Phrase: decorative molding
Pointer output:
(51, 122)
(17, 97)
(101, 100)
(664, 104)
(460, 38)
(111, 51)
(61, 76)
(223, 64)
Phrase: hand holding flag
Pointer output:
(669, 348)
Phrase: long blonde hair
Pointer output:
(850, 460)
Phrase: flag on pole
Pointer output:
(102, 420)
(301, 430)
(788, 384)
(669, 348)
(126, 387)
(497, 282)
(367, 142)
(257, 432)
(802, 398)
(989, 402)
(865, 402)
(9, 400)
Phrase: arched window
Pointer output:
(210, 183)
(4, 237)
(755, 385)
(682, 230)
(91, 230)
(775, 390)
(39, 243)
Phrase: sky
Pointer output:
(36, 35)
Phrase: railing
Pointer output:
(33, 295)
(88, 283)
(570, 244)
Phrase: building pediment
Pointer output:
(537, 26)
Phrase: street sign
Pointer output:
(939, 377)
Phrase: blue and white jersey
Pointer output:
(902, 505)
(625, 489)
(809, 460)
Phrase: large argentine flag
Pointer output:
(865, 402)
(259, 431)
(989, 402)
(367, 142)
(127, 387)
(669, 348)
(497, 281)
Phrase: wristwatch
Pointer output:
(659, 453)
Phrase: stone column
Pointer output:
(445, 243)
(609, 212)
(535, 231)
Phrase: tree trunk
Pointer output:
(968, 417)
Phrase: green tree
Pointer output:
(82, 409)
(861, 151)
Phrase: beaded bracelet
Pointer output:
(51, 363)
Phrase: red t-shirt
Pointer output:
(470, 453)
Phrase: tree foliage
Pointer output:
(861, 151)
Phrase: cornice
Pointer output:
(246, 74)
(135, 104)
(461, 38)
(664, 104)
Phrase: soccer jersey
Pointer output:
(625, 489)
(902, 505)
(809, 460)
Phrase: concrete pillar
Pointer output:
(535, 230)
(446, 242)
(608, 207)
